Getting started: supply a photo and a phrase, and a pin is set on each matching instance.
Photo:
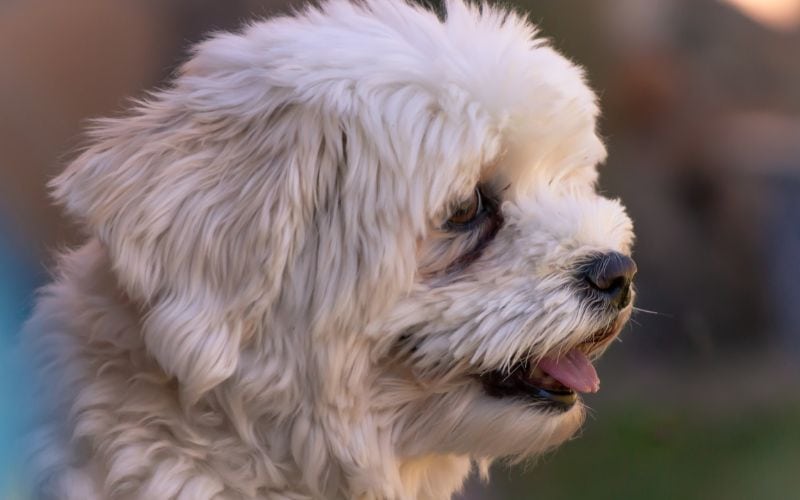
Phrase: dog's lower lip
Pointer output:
(529, 386)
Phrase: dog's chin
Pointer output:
(471, 422)
(516, 413)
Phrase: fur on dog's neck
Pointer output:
(134, 425)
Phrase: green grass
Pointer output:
(640, 455)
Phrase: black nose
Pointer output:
(611, 275)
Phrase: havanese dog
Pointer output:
(352, 253)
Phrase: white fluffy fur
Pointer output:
(257, 234)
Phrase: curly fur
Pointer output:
(267, 305)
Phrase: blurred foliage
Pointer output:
(666, 456)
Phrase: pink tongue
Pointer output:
(573, 370)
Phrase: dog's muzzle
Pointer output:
(553, 381)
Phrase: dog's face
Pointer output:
(366, 218)
(519, 284)
(522, 274)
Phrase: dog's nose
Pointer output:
(611, 275)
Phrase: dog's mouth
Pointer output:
(552, 381)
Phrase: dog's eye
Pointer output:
(467, 212)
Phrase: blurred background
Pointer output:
(701, 100)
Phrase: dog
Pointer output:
(355, 252)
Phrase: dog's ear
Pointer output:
(171, 208)
(200, 198)
(241, 190)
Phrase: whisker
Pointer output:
(639, 309)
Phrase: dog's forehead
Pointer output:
(439, 98)
(498, 90)
(488, 71)
(538, 101)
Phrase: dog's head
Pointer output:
(363, 217)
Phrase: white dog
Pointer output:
(347, 254)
